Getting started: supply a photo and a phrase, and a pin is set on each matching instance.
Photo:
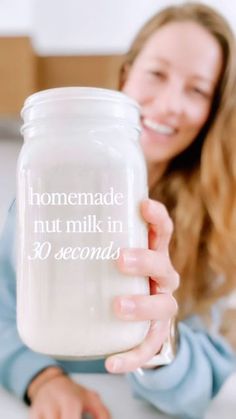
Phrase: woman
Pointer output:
(181, 69)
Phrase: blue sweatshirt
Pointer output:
(183, 389)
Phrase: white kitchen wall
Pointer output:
(91, 26)
(15, 17)
(98, 26)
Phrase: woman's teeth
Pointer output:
(159, 128)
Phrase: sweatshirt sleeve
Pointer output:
(184, 388)
(18, 364)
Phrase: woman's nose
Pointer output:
(170, 101)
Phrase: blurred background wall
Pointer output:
(48, 43)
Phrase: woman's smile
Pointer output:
(158, 132)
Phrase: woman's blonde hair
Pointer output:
(199, 186)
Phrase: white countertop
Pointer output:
(116, 394)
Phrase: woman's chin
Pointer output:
(153, 153)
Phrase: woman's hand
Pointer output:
(62, 398)
(160, 306)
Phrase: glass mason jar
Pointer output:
(81, 176)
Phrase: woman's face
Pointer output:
(173, 79)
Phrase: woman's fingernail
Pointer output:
(152, 205)
(127, 306)
(116, 364)
(129, 259)
(162, 290)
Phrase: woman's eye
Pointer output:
(200, 92)
(158, 74)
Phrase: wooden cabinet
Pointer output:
(91, 70)
(18, 73)
(22, 72)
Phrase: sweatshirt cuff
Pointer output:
(24, 368)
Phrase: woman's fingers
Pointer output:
(133, 359)
(145, 262)
(96, 407)
(71, 407)
(141, 307)
(45, 412)
(36, 415)
(160, 224)
(160, 306)
(155, 261)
